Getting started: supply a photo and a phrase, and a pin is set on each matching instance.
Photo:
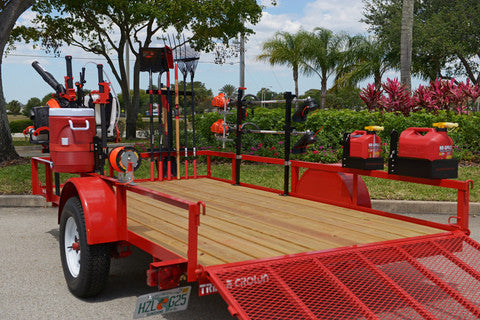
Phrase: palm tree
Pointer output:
(324, 54)
(287, 49)
(363, 58)
(228, 89)
(406, 42)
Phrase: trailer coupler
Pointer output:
(166, 274)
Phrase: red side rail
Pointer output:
(195, 209)
(462, 187)
(194, 212)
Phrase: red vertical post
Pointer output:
(463, 199)
(152, 170)
(48, 182)
(160, 169)
(234, 171)
(355, 189)
(35, 181)
(209, 166)
(121, 198)
(169, 169)
(195, 168)
(193, 223)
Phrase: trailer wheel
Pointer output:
(85, 266)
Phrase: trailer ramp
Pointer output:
(434, 277)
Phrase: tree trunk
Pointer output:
(7, 150)
(406, 39)
(323, 90)
(295, 79)
(132, 111)
(8, 16)
(378, 81)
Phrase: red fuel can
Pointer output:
(365, 144)
(425, 143)
(362, 149)
(71, 139)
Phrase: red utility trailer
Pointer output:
(314, 250)
(314, 254)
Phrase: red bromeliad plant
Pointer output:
(398, 97)
(423, 99)
(439, 95)
(371, 96)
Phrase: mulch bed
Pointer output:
(15, 162)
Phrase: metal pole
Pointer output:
(288, 120)
(101, 90)
(242, 60)
(238, 141)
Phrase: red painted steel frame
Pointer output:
(194, 271)
(423, 254)
(103, 231)
(194, 212)
(47, 189)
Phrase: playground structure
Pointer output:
(313, 250)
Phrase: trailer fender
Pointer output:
(99, 207)
(333, 186)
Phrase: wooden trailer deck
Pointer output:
(242, 223)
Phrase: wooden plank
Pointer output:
(361, 228)
(311, 233)
(171, 216)
(301, 206)
(175, 239)
(244, 223)
(230, 226)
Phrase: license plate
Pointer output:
(162, 302)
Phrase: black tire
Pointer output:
(87, 277)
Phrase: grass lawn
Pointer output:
(16, 179)
(12, 117)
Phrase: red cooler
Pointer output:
(71, 139)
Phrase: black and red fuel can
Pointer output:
(424, 153)
(362, 149)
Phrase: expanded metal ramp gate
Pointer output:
(437, 277)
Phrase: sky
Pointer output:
(21, 82)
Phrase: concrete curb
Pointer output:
(395, 206)
(422, 207)
(22, 201)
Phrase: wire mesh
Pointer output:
(430, 278)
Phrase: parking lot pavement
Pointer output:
(32, 285)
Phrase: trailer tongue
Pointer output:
(433, 277)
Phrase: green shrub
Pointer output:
(17, 126)
(333, 124)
